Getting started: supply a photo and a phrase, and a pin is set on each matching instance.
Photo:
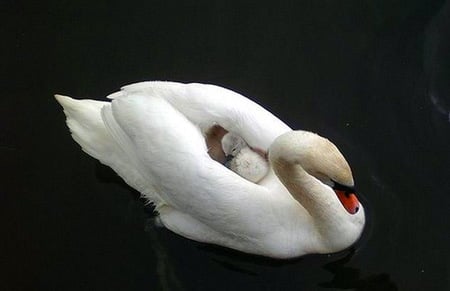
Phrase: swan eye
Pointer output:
(348, 190)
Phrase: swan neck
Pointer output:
(306, 189)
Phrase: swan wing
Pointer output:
(170, 151)
(207, 105)
(94, 129)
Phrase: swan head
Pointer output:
(319, 158)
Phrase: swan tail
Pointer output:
(93, 127)
(86, 125)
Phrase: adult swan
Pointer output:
(153, 135)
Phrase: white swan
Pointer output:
(153, 135)
(242, 159)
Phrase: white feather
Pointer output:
(152, 135)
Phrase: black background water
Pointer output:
(370, 75)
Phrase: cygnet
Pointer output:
(242, 159)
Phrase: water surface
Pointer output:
(371, 76)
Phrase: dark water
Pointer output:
(373, 76)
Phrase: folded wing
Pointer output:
(208, 105)
(170, 151)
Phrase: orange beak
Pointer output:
(348, 200)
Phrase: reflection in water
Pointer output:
(350, 278)
(241, 262)
(164, 269)
(436, 61)
(441, 108)
(344, 277)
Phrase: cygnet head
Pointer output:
(232, 144)
(243, 160)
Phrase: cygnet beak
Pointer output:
(227, 161)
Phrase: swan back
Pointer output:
(208, 105)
